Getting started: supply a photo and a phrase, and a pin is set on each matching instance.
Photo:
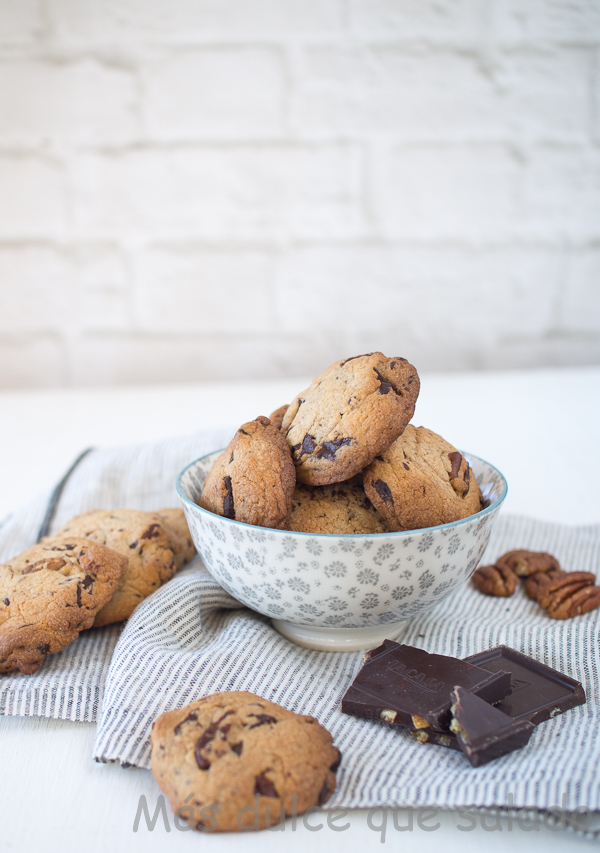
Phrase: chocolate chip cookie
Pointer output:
(421, 481)
(145, 539)
(234, 761)
(277, 416)
(339, 508)
(182, 546)
(48, 594)
(253, 479)
(349, 414)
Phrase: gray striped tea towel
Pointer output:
(69, 686)
(186, 641)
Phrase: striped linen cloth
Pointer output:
(69, 686)
(192, 638)
(185, 642)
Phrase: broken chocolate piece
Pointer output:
(537, 691)
(228, 504)
(399, 684)
(372, 653)
(384, 491)
(455, 459)
(483, 732)
(264, 786)
(386, 385)
(263, 720)
(329, 448)
(152, 532)
(447, 739)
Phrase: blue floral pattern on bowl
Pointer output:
(344, 581)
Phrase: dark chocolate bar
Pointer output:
(407, 686)
(537, 691)
(482, 731)
(447, 739)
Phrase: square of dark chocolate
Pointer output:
(482, 731)
(537, 691)
(407, 686)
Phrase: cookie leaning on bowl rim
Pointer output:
(421, 480)
(253, 480)
(351, 412)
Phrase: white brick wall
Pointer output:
(71, 103)
(220, 93)
(203, 189)
(220, 192)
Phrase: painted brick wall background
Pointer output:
(213, 189)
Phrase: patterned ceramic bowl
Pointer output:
(339, 592)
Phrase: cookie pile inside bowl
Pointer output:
(342, 458)
(338, 518)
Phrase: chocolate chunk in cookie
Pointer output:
(48, 594)
(350, 413)
(154, 545)
(235, 761)
(253, 479)
(341, 508)
(421, 481)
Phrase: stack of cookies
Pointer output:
(93, 572)
(342, 458)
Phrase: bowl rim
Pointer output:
(495, 505)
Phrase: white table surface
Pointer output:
(540, 428)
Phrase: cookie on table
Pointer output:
(253, 479)
(349, 414)
(227, 748)
(341, 508)
(48, 594)
(144, 539)
(277, 416)
(421, 480)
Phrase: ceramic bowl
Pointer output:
(339, 592)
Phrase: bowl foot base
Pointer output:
(339, 639)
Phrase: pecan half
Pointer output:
(525, 563)
(532, 584)
(495, 580)
(568, 594)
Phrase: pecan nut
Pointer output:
(532, 584)
(525, 563)
(581, 600)
(568, 594)
(495, 580)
